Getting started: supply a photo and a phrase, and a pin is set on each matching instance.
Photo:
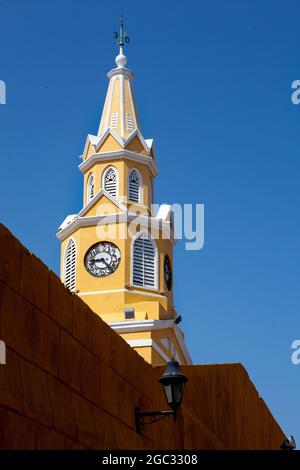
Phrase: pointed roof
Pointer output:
(100, 195)
(120, 111)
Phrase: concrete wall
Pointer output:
(70, 382)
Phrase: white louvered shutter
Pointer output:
(114, 120)
(129, 122)
(90, 188)
(134, 186)
(110, 182)
(70, 266)
(101, 128)
(144, 263)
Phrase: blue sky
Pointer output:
(213, 85)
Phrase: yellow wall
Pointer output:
(156, 303)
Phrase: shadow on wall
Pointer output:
(70, 382)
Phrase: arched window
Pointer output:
(144, 262)
(70, 266)
(135, 186)
(90, 189)
(110, 181)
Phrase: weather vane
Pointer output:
(121, 37)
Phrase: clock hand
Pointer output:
(102, 260)
(98, 260)
(106, 264)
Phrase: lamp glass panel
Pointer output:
(168, 392)
(177, 392)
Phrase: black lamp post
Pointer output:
(173, 382)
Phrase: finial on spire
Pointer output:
(121, 38)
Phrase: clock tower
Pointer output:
(117, 253)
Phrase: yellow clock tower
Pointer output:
(116, 253)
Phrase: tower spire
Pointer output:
(121, 38)
(120, 112)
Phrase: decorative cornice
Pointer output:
(121, 71)
(127, 217)
(137, 133)
(132, 326)
(129, 326)
(117, 155)
(93, 139)
(144, 293)
(122, 141)
(108, 132)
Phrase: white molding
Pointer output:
(96, 198)
(106, 169)
(160, 351)
(121, 71)
(156, 263)
(137, 124)
(142, 343)
(184, 350)
(133, 326)
(150, 192)
(122, 104)
(130, 291)
(93, 139)
(139, 343)
(149, 143)
(125, 217)
(122, 142)
(130, 326)
(67, 221)
(117, 155)
(108, 109)
(109, 131)
(137, 133)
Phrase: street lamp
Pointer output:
(173, 382)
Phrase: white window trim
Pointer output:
(64, 265)
(111, 167)
(156, 264)
(141, 195)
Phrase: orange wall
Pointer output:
(70, 382)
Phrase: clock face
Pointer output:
(168, 272)
(102, 259)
